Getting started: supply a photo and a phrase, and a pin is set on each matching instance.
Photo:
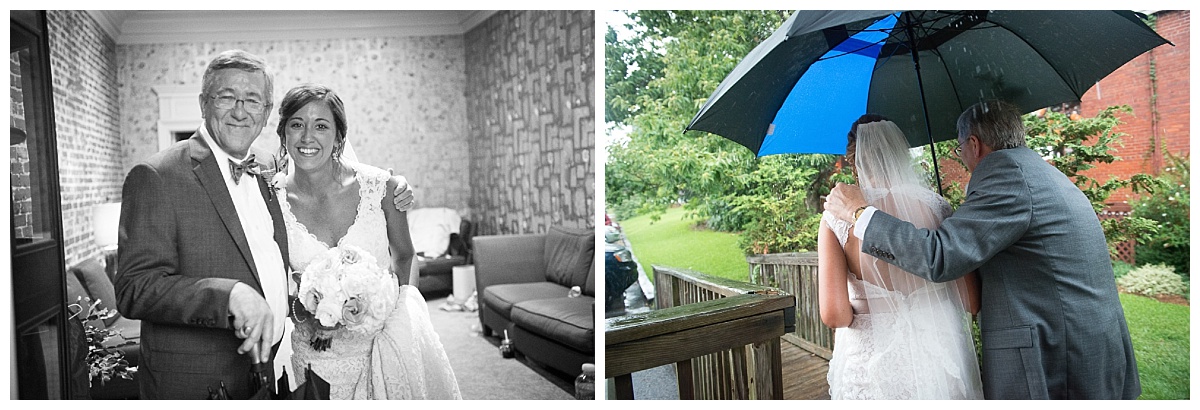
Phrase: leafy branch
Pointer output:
(104, 361)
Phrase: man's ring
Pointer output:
(246, 330)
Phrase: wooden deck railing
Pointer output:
(796, 274)
(723, 336)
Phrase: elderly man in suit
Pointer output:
(203, 252)
(1051, 323)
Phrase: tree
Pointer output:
(657, 81)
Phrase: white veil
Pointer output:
(926, 313)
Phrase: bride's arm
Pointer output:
(832, 295)
(971, 282)
(399, 241)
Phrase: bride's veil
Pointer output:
(891, 184)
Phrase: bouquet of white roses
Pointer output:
(345, 287)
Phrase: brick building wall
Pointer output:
(83, 66)
(18, 160)
(404, 96)
(530, 94)
(1157, 86)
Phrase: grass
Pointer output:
(1161, 343)
(676, 242)
(1160, 331)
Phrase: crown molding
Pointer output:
(181, 26)
(109, 21)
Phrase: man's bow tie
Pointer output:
(247, 166)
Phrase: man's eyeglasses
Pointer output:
(958, 149)
(227, 102)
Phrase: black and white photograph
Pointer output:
(302, 204)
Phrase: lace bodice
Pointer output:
(369, 230)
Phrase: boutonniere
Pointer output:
(280, 166)
(272, 186)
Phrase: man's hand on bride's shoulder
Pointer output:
(843, 200)
(403, 196)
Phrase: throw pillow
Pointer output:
(91, 275)
(569, 254)
(589, 287)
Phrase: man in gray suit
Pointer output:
(1051, 323)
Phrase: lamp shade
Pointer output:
(105, 218)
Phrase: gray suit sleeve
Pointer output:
(995, 214)
(148, 283)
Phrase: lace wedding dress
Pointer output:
(905, 341)
(405, 360)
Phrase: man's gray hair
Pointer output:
(240, 60)
(997, 124)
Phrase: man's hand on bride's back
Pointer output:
(403, 197)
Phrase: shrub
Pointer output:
(1151, 280)
(1120, 268)
(781, 230)
(1169, 209)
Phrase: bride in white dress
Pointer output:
(896, 336)
(329, 201)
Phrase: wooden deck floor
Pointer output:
(803, 374)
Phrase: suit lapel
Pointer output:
(269, 195)
(271, 199)
(214, 184)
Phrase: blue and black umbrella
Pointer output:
(799, 91)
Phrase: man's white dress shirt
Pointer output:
(260, 234)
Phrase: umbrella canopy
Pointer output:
(799, 91)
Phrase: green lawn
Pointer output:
(674, 241)
(1160, 331)
(1161, 343)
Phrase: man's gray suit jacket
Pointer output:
(181, 250)
(1052, 325)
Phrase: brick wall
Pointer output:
(405, 100)
(530, 91)
(18, 160)
(83, 66)
(1161, 107)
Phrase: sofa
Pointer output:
(90, 280)
(442, 240)
(525, 286)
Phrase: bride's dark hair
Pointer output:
(852, 138)
(300, 96)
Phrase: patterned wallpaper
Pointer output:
(405, 100)
(530, 98)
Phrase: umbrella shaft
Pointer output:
(937, 175)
